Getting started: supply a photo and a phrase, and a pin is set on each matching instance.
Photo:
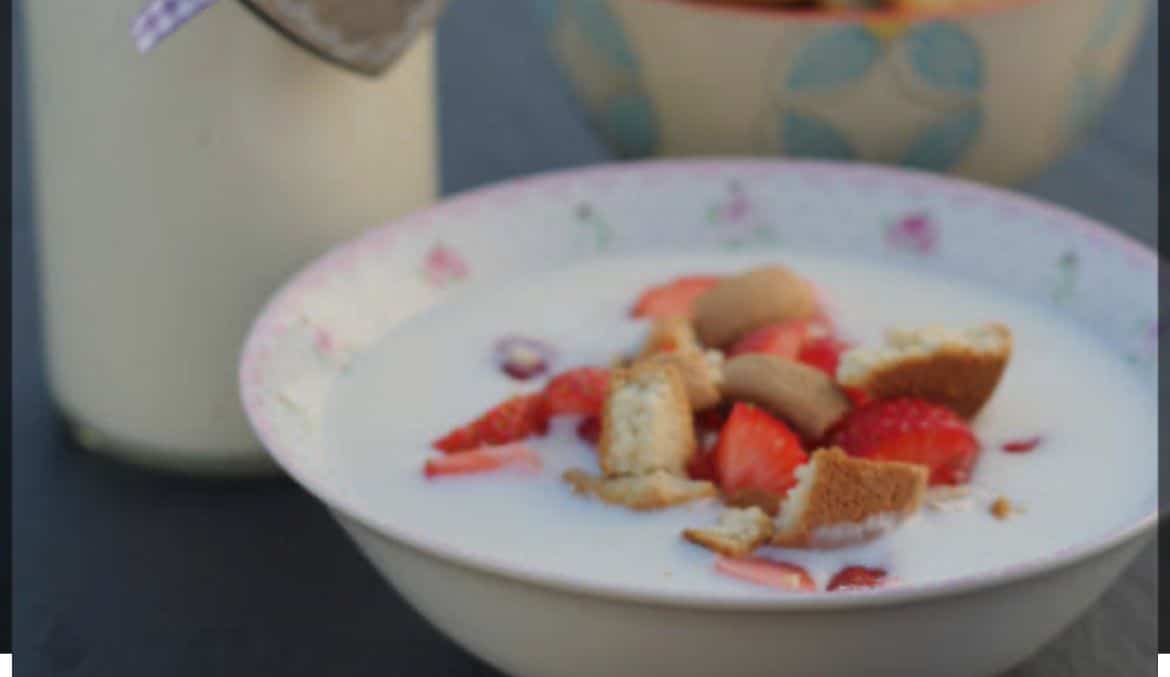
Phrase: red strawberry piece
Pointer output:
(1022, 446)
(857, 578)
(577, 391)
(589, 429)
(459, 439)
(711, 420)
(702, 467)
(783, 339)
(772, 573)
(674, 298)
(520, 417)
(484, 459)
(756, 451)
(824, 353)
(857, 396)
(517, 418)
(914, 431)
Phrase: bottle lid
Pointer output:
(362, 35)
(365, 36)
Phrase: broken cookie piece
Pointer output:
(739, 532)
(840, 500)
(651, 491)
(741, 303)
(701, 375)
(672, 341)
(803, 395)
(670, 334)
(957, 368)
(1002, 508)
(646, 422)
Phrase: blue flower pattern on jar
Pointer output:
(620, 109)
(937, 66)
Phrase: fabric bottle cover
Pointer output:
(365, 36)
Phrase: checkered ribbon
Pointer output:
(160, 18)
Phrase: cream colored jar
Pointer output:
(993, 90)
(176, 190)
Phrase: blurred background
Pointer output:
(121, 571)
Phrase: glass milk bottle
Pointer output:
(176, 190)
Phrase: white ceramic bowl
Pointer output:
(529, 622)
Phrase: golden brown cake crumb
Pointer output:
(1002, 508)
(646, 422)
(959, 369)
(672, 341)
(738, 533)
(840, 500)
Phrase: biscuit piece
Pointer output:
(646, 422)
(801, 394)
(652, 491)
(701, 374)
(738, 533)
(670, 334)
(840, 500)
(749, 301)
(672, 341)
(958, 368)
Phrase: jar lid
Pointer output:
(362, 35)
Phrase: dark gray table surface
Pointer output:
(123, 573)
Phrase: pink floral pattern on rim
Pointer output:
(915, 233)
(741, 220)
(444, 266)
(283, 383)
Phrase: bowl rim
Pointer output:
(846, 15)
(768, 601)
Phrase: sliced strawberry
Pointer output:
(783, 339)
(756, 451)
(774, 574)
(515, 419)
(824, 353)
(589, 430)
(914, 431)
(484, 459)
(577, 391)
(520, 417)
(711, 420)
(857, 396)
(702, 467)
(674, 298)
(708, 423)
(857, 578)
(1022, 446)
(459, 439)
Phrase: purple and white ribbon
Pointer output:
(160, 18)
